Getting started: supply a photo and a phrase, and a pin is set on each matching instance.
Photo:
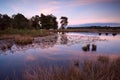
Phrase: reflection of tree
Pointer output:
(41, 42)
(100, 33)
(50, 41)
(88, 48)
(106, 34)
(63, 39)
(94, 47)
(6, 45)
(114, 34)
(46, 42)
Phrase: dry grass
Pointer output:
(33, 33)
(101, 69)
(22, 36)
(23, 40)
(88, 30)
(19, 39)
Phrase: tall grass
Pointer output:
(25, 32)
(101, 69)
(22, 36)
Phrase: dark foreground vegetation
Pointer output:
(104, 68)
(101, 69)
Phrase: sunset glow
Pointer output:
(78, 11)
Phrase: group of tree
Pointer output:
(19, 21)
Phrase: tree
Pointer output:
(64, 22)
(5, 21)
(35, 21)
(48, 22)
(20, 21)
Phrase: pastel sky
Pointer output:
(77, 11)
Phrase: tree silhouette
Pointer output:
(5, 21)
(48, 22)
(64, 22)
(20, 22)
(35, 22)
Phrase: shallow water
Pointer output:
(56, 49)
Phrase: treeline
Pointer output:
(19, 21)
(94, 27)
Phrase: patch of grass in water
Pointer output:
(23, 40)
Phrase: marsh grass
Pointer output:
(24, 32)
(86, 48)
(23, 40)
(22, 36)
(101, 69)
(88, 30)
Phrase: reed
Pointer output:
(101, 69)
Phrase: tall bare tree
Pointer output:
(64, 22)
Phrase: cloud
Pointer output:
(93, 20)
(74, 3)
(16, 8)
(49, 10)
(76, 10)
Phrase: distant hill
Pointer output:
(96, 24)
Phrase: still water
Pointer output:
(56, 49)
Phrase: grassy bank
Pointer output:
(89, 30)
(22, 36)
(101, 69)
(24, 32)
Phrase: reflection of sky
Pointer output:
(66, 44)
(78, 11)
(57, 52)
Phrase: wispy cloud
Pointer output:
(84, 2)
(77, 11)
(50, 10)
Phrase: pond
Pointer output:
(57, 49)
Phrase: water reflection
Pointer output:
(99, 33)
(106, 34)
(6, 45)
(94, 47)
(49, 41)
(90, 42)
(56, 48)
(114, 34)
(63, 39)
(45, 42)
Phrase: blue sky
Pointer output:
(77, 11)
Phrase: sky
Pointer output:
(77, 11)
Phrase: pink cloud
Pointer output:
(93, 20)
(85, 2)
(49, 10)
